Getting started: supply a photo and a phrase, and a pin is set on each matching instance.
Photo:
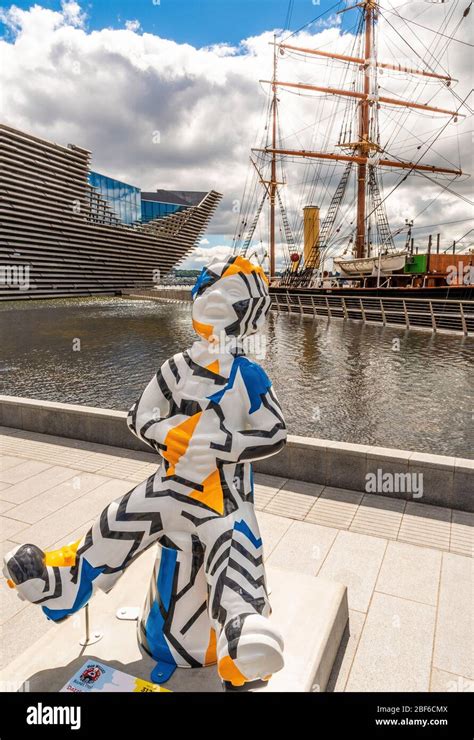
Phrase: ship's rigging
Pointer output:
(359, 148)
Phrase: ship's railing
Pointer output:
(434, 314)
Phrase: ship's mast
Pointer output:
(364, 145)
(273, 183)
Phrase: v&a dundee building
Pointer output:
(79, 232)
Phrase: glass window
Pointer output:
(151, 209)
(123, 199)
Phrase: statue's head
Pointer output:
(230, 299)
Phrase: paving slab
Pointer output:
(5, 546)
(38, 483)
(10, 604)
(423, 524)
(394, 652)
(265, 488)
(291, 504)
(304, 487)
(454, 640)
(335, 507)
(19, 633)
(269, 481)
(303, 548)
(410, 572)
(378, 515)
(355, 561)
(65, 520)
(272, 529)
(310, 612)
(9, 528)
(26, 469)
(57, 497)
(462, 533)
(444, 681)
(8, 461)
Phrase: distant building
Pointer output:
(67, 230)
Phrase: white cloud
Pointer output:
(72, 13)
(204, 242)
(132, 25)
(111, 91)
(202, 256)
(332, 21)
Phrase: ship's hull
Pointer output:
(449, 308)
(448, 292)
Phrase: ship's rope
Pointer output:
(460, 240)
(313, 173)
(442, 190)
(427, 50)
(402, 143)
(448, 36)
(289, 14)
(252, 188)
(313, 20)
(404, 177)
(421, 142)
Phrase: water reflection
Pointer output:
(340, 381)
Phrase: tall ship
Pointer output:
(341, 243)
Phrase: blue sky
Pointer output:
(198, 22)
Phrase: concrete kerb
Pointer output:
(446, 481)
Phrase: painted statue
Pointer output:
(208, 411)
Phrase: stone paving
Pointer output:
(407, 565)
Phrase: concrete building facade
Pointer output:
(66, 230)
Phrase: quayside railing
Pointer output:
(434, 314)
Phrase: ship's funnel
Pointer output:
(311, 236)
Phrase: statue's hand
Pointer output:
(200, 459)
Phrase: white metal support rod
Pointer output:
(433, 318)
(407, 320)
(329, 307)
(463, 320)
(344, 307)
(89, 639)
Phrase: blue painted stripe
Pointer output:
(166, 575)
(88, 575)
(255, 379)
(245, 529)
(203, 279)
(155, 622)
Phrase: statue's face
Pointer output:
(234, 305)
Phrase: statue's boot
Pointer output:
(249, 648)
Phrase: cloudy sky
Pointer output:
(167, 94)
